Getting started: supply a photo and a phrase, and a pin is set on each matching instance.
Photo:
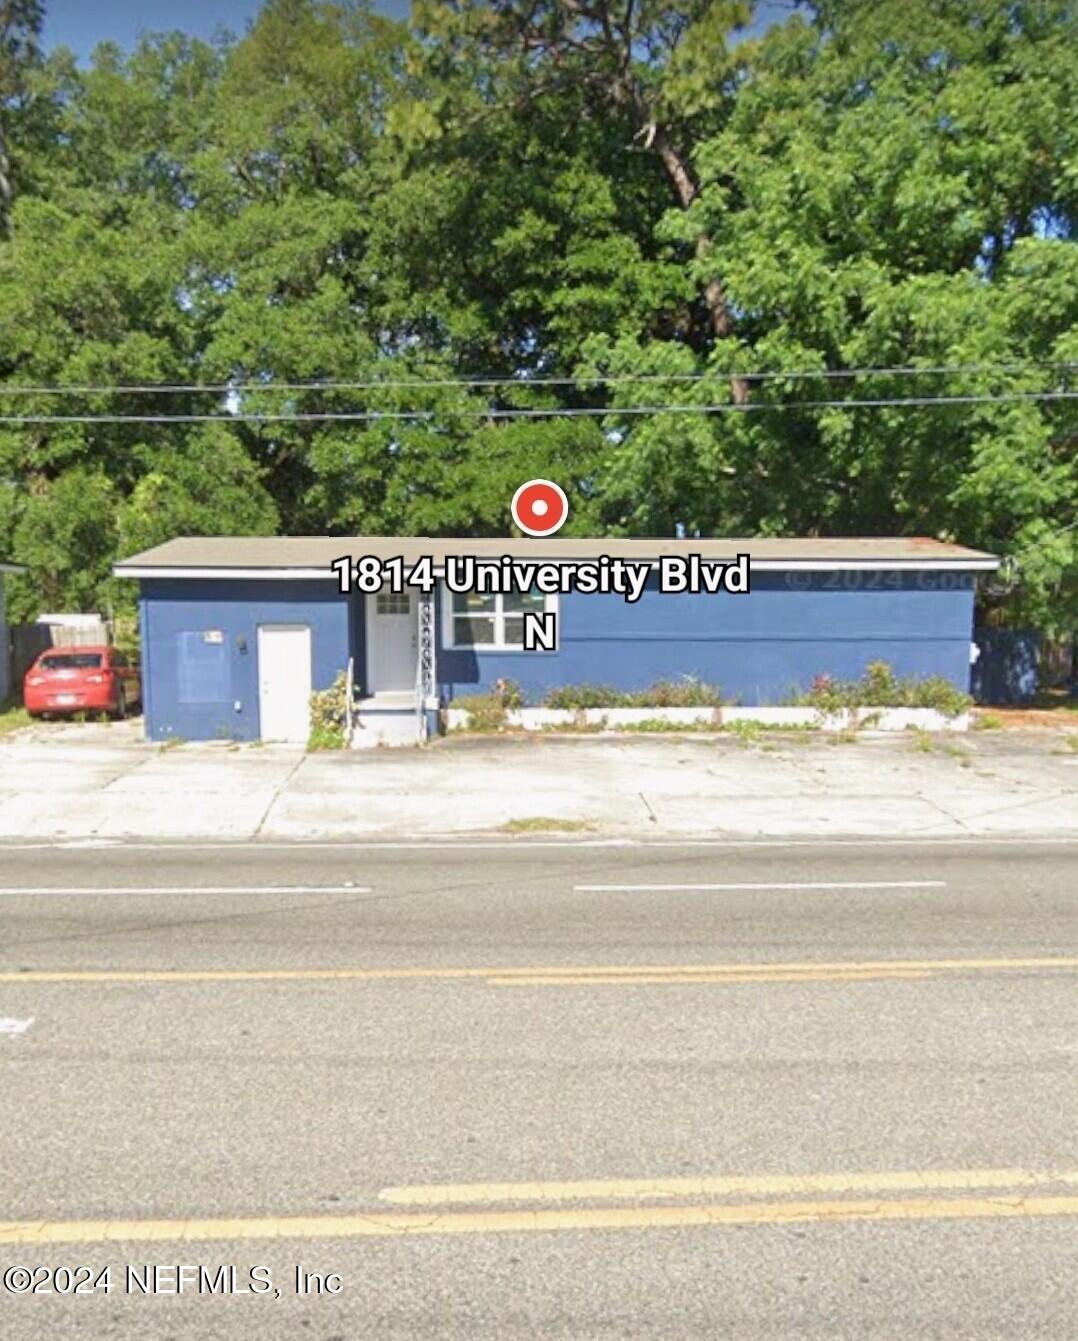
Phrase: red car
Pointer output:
(81, 679)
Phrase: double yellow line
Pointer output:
(976, 1194)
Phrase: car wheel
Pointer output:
(121, 705)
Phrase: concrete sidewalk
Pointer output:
(99, 780)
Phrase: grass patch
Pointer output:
(987, 721)
(547, 824)
(1055, 700)
(13, 717)
(745, 731)
(748, 731)
(656, 726)
(924, 742)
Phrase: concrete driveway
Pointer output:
(102, 780)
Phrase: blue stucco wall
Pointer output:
(758, 648)
(172, 608)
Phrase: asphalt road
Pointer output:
(542, 1089)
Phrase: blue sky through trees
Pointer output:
(81, 25)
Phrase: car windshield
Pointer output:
(72, 661)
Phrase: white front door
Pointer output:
(284, 681)
(392, 629)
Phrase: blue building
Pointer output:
(237, 632)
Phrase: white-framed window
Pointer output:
(490, 623)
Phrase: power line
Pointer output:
(484, 382)
(556, 412)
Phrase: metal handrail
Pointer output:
(420, 715)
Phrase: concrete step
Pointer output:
(385, 719)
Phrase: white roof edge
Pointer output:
(12, 568)
(963, 565)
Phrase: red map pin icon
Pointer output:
(540, 507)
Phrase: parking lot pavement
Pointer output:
(103, 780)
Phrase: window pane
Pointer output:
(514, 630)
(469, 631)
(71, 661)
(470, 602)
(529, 600)
(394, 603)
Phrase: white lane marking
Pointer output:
(11, 1026)
(20, 891)
(765, 884)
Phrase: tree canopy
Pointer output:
(370, 276)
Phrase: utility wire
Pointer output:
(554, 412)
(479, 382)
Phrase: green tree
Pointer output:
(66, 533)
(20, 32)
(614, 221)
(895, 187)
(664, 71)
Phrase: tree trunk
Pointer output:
(677, 169)
(7, 191)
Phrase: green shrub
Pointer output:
(487, 712)
(937, 692)
(575, 696)
(687, 692)
(879, 687)
(125, 635)
(329, 716)
(509, 694)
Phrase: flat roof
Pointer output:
(12, 568)
(311, 556)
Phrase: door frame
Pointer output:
(410, 621)
(274, 625)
